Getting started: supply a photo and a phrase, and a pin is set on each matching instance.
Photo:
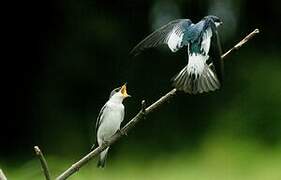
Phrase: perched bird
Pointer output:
(203, 72)
(109, 120)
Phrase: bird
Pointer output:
(204, 70)
(109, 120)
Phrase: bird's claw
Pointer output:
(106, 143)
(122, 132)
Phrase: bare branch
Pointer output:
(140, 116)
(241, 43)
(43, 162)
(2, 175)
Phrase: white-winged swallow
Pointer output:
(203, 72)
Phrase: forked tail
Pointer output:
(102, 158)
(194, 83)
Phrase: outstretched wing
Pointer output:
(170, 34)
(215, 53)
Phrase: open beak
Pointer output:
(124, 91)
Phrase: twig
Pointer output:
(143, 106)
(43, 162)
(2, 175)
(241, 43)
(131, 124)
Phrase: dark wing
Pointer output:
(98, 122)
(99, 118)
(161, 35)
(215, 53)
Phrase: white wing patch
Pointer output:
(206, 40)
(175, 40)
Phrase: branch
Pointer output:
(141, 115)
(43, 162)
(2, 175)
(241, 43)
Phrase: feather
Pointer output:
(170, 34)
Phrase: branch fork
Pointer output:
(43, 162)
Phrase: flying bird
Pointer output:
(109, 120)
(203, 72)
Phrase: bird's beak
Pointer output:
(124, 91)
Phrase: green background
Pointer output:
(76, 52)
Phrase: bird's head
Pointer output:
(215, 19)
(119, 93)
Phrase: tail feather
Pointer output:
(196, 83)
(102, 158)
(208, 83)
(203, 85)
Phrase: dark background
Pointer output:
(65, 57)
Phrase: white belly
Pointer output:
(196, 63)
(109, 126)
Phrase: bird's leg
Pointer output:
(105, 143)
(122, 132)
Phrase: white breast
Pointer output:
(111, 121)
(175, 40)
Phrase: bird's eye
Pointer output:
(117, 90)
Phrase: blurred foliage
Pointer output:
(83, 54)
(218, 158)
